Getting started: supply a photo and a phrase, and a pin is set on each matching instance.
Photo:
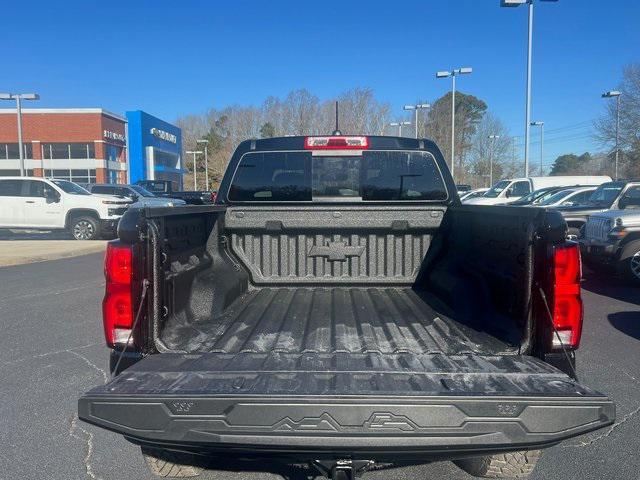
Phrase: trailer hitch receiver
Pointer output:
(344, 469)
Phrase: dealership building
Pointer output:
(90, 145)
(155, 147)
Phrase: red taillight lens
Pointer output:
(567, 302)
(214, 195)
(118, 264)
(336, 143)
(118, 303)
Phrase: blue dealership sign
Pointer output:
(155, 148)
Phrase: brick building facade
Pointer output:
(82, 145)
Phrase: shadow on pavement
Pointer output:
(16, 234)
(611, 286)
(217, 467)
(626, 322)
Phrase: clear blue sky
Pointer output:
(171, 58)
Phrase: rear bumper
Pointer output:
(379, 427)
(387, 406)
(434, 427)
(607, 253)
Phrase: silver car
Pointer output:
(140, 196)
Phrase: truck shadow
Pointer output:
(18, 234)
(626, 322)
(611, 287)
(223, 467)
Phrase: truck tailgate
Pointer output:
(369, 402)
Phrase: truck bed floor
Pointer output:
(330, 320)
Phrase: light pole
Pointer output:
(18, 97)
(206, 162)
(615, 94)
(399, 125)
(541, 125)
(527, 128)
(417, 107)
(493, 139)
(453, 74)
(195, 172)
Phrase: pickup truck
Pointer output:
(338, 307)
(166, 188)
(36, 203)
(608, 196)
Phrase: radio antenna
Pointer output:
(337, 130)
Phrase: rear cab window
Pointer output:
(159, 187)
(520, 189)
(364, 176)
(103, 189)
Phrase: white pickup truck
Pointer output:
(42, 204)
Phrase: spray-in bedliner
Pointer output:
(328, 320)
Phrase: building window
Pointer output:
(15, 173)
(113, 153)
(10, 151)
(66, 151)
(165, 159)
(75, 175)
(81, 150)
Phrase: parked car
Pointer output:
(139, 195)
(608, 196)
(335, 310)
(49, 204)
(568, 197)
(478, 192)
(536, 196)
(167, 188)
(507, 191)
(612, 239)
(463, 188)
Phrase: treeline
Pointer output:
(629, 125)
(360, 112)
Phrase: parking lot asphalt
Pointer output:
(52, 350)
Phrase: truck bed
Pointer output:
(330, 320)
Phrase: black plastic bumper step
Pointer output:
(351, 402)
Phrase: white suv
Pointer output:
(38, 203)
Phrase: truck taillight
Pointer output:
(118, 305)
(336, 143)
(567, 302)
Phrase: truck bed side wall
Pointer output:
(481, 266)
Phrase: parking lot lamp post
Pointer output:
(493, 139)
(399, 125)
(453, 74)
(541, 125)
(615, 94)
(195, 172)
(18, 97)
(206, 162)
(527, 128)
(417, 107)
